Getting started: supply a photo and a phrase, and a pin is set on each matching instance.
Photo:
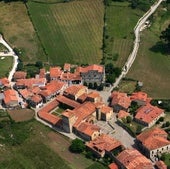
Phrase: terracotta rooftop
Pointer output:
(36, 98)
(93, 94)
(4, 82)
(31, 82)
(42, 73)
(20, 75)
(123, 114)
(67, 67)
(113, 166)
(120, 99)
(55, 72)
(26, 94)
(74, 89)
(70, 76)
(88, 128)
(67, 101)
(83, 97)
(10, 96)
(105, 109)
(154, 138)
(54, 120)
(161, 165)
(52, 88)
(93, 67)
(133, 159)
(148, 113)
(103, 143)
(140, 96)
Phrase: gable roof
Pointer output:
(154, 138)
(87, 128)
(140, 96)
(123, 114)
(103, 143)
(74, 89)
(148, 113)
(55, 72)
(133, 159)
(105, 109)
(4, 82)
(10, 96)
(20, 75)
(121, 99)
(93, 67)
(67, 67)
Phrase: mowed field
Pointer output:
(152, 65)
(40, 148)
(19, 32)
(6, 64)
(120, 22)
(70, 32)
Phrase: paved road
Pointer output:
(10, 53)
(137, 30)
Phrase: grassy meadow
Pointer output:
(19, 32)
(70, 32)
(152, 65)
(6, 64)
(120, 20)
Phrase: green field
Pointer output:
(31, 145)
(70, 32)
(120, 21)
(5, 65)
(152, 65)
(18, 31)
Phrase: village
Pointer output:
(62, 101)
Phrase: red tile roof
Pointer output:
(120, 99)
(44, 113)
(113, 166)
(4, 82)
(36, 98)
(103, 143)
(93, 67)
(26, 94)
(67, 101)
(70, 76)
(161, 165)
(154, 138)
(42, 73)
(55, 72)
(88, 129)
(20, 75)
(10, 96)
(133, 159)
(52, 88)
(148, 113)
(93, 95)
(140, 96)
(123, 114)
(106, 109)
(74, 89)
(67, 67)
(31, 82)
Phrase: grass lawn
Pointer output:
(152, 65)
(19, 32)
(127, 86)
(6, 64)
(120, 22)
(31, 145)
(2, 48)
(70, 32)
(167, 159)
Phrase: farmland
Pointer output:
(152, 65)
(70, 32)
(5, 65)
(19, 32)
(120, 20)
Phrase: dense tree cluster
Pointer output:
(165, 35)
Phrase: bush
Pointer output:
(129, 119)
(77, 146)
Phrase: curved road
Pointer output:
(9, 53)
(137, 29)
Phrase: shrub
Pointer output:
(77, 146)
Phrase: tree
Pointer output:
(165, 35)
(77, 146)
(39, 64)
(129, 119)
(20, 66)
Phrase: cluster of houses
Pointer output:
(61, 89)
